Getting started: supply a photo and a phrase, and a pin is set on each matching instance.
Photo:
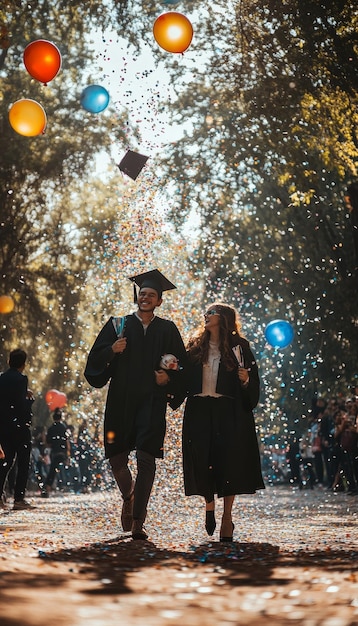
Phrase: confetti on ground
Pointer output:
(293, 560)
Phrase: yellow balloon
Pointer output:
(27, 117)
(6, 304)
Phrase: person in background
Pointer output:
(220, 447)
(294, 460)
(72, 471)
(15, 434)
(84, 457)
(327, 428)
(307, 441)
(317, 447)
(338, 456)
(129, 352)
(57, 439)
(351, 201)
(347, 436)
(40, 457)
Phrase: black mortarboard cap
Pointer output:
(132, 163)
(153, 279)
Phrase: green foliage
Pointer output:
(39, 267)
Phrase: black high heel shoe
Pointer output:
(227, 538)
(210, 522)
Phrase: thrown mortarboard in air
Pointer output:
(132, 163)
(153, 279)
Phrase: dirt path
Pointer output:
(293, 560)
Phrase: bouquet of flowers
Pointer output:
(169, 362)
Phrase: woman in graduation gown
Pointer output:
(220, 447)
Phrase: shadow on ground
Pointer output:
(107, 565)
(120, 568)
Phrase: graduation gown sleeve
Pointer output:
(101, 360)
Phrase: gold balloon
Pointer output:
(6, 304)
(27, 117)
(173, 32)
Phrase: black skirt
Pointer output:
(220, 449)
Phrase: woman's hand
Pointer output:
(244, 377)
(120, 345)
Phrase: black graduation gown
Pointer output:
(15, 406)
(136, 405)
(229, 440)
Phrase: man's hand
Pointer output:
(119, 345)
(161, 377)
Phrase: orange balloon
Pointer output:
(27, 117)
(173, 32)
(55, 399)
(6, 304)
(42, 60)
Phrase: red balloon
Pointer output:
(55, 399)
(42, 60)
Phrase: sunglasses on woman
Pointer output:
(211, 312)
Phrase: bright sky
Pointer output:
(139, 85)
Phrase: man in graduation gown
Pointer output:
(128, 352)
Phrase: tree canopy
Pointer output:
(39, 266)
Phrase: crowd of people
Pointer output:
(44, 458)
(326, 453)
(63, 459)
(60, 460)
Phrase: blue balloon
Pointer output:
(279, 333)
(94, 98)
